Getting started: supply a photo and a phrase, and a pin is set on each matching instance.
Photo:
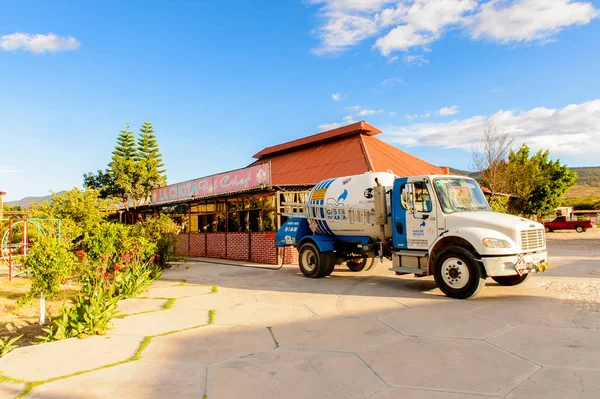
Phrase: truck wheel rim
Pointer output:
(455, 273)
(309, 260)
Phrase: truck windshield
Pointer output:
(459, 195)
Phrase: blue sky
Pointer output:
(222, 80)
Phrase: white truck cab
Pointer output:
(443, 223)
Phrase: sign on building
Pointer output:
(256, 176)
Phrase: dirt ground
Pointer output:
(23, 320)
(570, 240)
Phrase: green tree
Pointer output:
(49, 263)
(149, 159)
(537, 183)
(80, 212)
(102, 181)
(125, 170)
(135, 169)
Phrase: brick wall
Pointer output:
(236, 246)
(216, 246)
(197, 244)
(263, 248)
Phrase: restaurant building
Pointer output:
(234, 215)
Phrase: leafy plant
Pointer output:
(89, 315)
(48, 264)
(7, 345)
(133, 280)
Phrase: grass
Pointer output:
(23, 320)
(273, 336)
(169, 304)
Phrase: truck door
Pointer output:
(399, 212)
(421, 223)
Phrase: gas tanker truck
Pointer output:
(438, 225)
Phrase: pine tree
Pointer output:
(149, 158)
(125, 148)
(124, 169)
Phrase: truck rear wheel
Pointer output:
(313, 263)
(358, 265)
(548, 229)
(579, 229)
(511, 280)
(458, 274)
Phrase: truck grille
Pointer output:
(532, 239)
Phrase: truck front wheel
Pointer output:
(313, 263)
(511, 280)
(458, 274)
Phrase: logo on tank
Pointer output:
(335, 209)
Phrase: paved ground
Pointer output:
(276, 334)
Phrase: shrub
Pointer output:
(161, 231)
(105, 240)
(49, 263)
(90, 314)
(133, 280)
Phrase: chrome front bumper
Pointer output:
(516, 264)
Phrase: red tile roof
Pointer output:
(361, 127)
(349, 150)
(385, 156)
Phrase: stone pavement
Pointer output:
(275, 334)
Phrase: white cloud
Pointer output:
(528, 20)
(392, 60)
(417, 60)
(38, 43)
(401, 25)
(572, 130)
(337, 97)
(347, 120)
(392, 81)
(449, 110)
(392, 113)
(365, 112)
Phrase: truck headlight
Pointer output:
(495, 243)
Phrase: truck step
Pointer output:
(418, 254)
(408, 270)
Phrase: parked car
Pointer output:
(561, 223)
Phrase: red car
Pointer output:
(561, 223)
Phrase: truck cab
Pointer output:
(443, 226)
(438, 225)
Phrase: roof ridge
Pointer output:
(365, 151)
(359, 128)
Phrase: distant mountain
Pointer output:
(588, 175)
(474, 175)
(25, 202)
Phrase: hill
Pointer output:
(587, 183)
(25, 202)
